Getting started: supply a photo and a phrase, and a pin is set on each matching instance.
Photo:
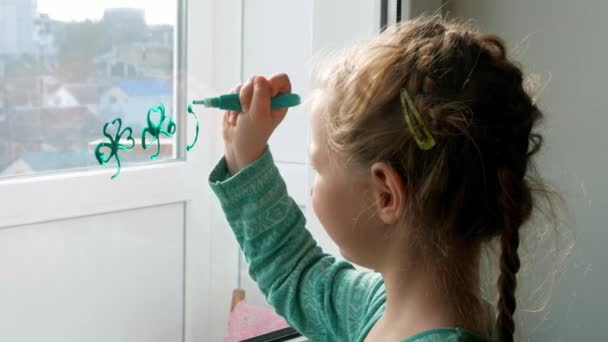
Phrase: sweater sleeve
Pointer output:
(324, 299)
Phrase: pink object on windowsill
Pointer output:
(248, 321)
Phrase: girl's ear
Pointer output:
(389, 192)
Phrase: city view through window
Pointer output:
(64, 72)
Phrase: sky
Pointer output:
(156, 12)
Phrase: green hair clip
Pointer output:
(407, 105)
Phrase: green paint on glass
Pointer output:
(155, 129)
(190, 111)
(165, 126)
(114, 145)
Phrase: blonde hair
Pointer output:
(476, 184)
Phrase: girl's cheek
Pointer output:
(314, 193)
(319, 202)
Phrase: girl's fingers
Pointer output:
(232, 115)
(246, 94)
(280, 83)
(233, 118)
(225, 119)
(260, 103)
(277, 84)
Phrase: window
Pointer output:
(46, 218)
(66, 69)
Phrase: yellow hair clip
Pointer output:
(407, 105)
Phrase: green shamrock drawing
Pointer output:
(114, 145)
(155, 129)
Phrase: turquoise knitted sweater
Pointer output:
(324, 299)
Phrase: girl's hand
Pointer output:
(246, 134)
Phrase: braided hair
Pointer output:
(473, 186)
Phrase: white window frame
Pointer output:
(210, 253)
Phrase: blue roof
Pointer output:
(150, 87)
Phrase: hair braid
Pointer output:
(515, 199)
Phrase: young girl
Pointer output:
(422, 139)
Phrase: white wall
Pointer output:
(79, 280)
(567, 40)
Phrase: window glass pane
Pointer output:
(67, 67)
